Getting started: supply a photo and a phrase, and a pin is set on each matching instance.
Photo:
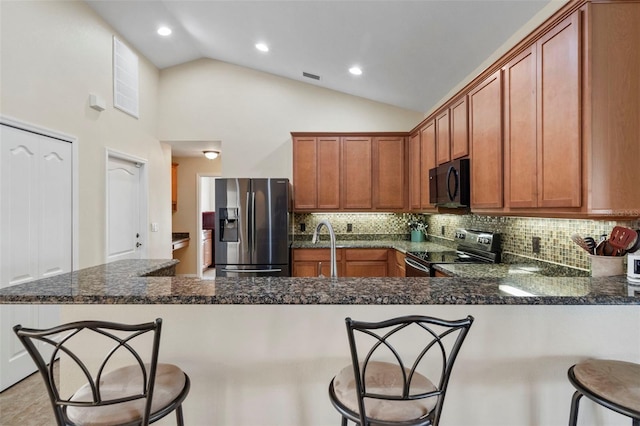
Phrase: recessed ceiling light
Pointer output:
(164, 31)
(355, 70)
(262, 47)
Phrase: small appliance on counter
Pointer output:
(633, 261)
(473, 247)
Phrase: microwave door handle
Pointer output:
(454, 172)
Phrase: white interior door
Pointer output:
(124, 231)
(36, 216)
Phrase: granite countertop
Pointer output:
(137, 282)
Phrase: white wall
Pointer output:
(270, 365)
(253, 113)
(53, 54)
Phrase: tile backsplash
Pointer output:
(517, 232)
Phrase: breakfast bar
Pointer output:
(261, 351)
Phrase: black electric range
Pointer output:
(473, 247)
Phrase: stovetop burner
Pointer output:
(473, 247)
(447, 257)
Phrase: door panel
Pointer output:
(36, 228)
(270, 238)
(123, 210)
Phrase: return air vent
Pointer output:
(309, 75)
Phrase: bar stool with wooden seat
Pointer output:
(138, 393)
(402, 377)
(612, 384)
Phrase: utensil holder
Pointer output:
(606, 266)
(417, 236)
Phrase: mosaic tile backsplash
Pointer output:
(517, 232)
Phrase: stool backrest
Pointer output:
(415, 344)
(122, 344)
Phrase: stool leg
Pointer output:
(636, 422)
(575, 402)
(344, 421)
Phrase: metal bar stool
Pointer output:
(402, 377)
(612, 384)
(138, 394)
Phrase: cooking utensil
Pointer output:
(605, 249)
(580, 242)
(622, 238)
(591, 243)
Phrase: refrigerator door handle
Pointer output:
(248, 271)
(249, 231)
(254, 248)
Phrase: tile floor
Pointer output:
(26, 404)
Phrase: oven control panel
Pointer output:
(479, 240)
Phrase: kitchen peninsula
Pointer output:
(262, 351)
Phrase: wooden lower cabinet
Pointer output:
(366, 262)
(397, 262)
(350, 262)
(440, 274)
(308, 262)
(207, 248)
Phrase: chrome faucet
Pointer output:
(332, 236)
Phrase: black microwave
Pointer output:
(449, 184)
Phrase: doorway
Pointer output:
(126, 212)
(206, 219)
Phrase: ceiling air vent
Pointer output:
(309, 75)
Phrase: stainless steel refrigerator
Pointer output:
(252, 227)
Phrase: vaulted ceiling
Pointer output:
(412, 53)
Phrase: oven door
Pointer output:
(416, 269)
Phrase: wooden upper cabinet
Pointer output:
(521, 164)
(612, 160)
(485, 132)
(316, 173)
(558, 110)
(427, 161)
(357, 182)
(459, 129)
(328, 172)
(414, 171)
(305, 173)
(389, 188)
(443, 137)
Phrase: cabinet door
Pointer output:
(485, 130)
(443, 137)
(459, 129)
(305, 154)
(356, 173)
(366, 262)
(559, 142)
(389, 173)
(307, 262)
(521, 177)
(414, 171)
(328, 177)
(427, 160)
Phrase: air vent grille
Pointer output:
(309, 75)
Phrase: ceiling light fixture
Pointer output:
(164, 31)
(211, 155)
(262, 47)
(355, 70)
